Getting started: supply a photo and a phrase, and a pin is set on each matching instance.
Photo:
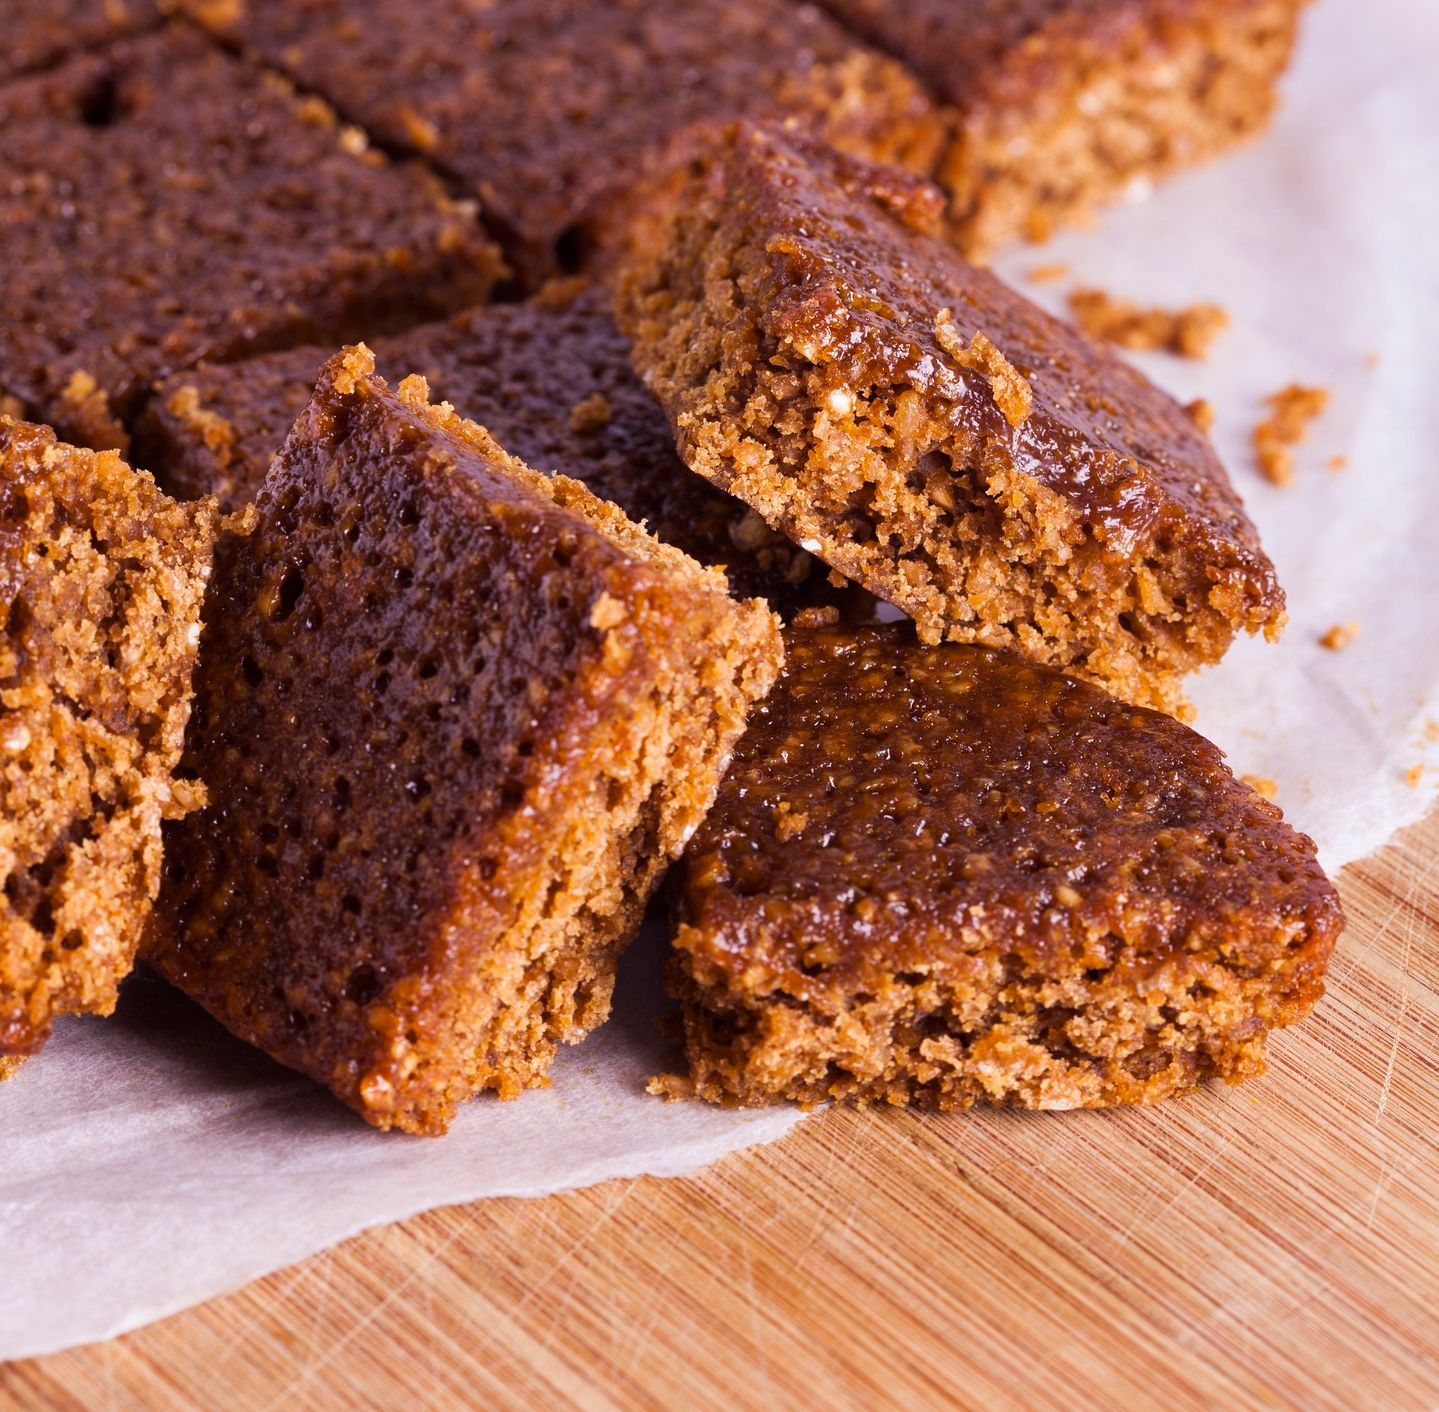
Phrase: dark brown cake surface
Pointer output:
(454, 717)
(167, 203)
(38, 32)
(827, 358)
(940, 874)
(1059, 105)
(550, 379)
(548, 108)
(101, 579)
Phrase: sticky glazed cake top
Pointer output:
(890, 799)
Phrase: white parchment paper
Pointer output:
(150, 1161)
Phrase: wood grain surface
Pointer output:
(1268, 1246)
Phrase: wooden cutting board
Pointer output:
(1268, 1246)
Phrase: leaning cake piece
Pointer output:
(1059, 105)
(941, 876)
(826, 357)
(101, 581)
(550, 109)
(455, 717)
(549, 378)
(167, 203)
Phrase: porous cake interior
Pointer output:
(1165, 93)
(623, 827)
(101, 579)
(946, 1036)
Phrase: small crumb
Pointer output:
(242, 522)
(1048, 274)
(592, 413)
(1188, 332)
(1290, 411)
(82, 388)
(839, 402)
(14, 738)
(1262, 785)
(1371, 359)
(1201, 413)
(316, 112)
(219, 13)
(808, 618)
(1337, 463)
(607, 613)
(1339, 636)
(1009, 387)
(422, 134)
(671, 1087)
(219, 435)
(1414, 775)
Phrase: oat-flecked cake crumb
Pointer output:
(455, 717)
(1188, 332)
(101, 581)
(939, 876)
(1290, 412)
(1012, 392)
(1338, 637)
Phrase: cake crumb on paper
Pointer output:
(1339, 636)
(1049, 274)
(1290, 412)
(1201, 413)
(1262, 785)
(1414, 775)
(1189, 332)
(671, 1087)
